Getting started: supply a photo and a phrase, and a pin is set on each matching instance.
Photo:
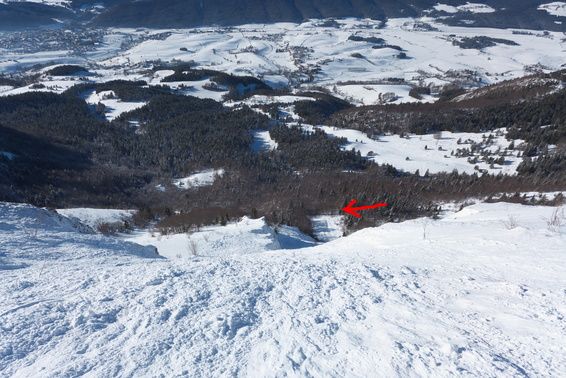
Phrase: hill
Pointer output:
(193, 13)
(21, 15)
(175, 13)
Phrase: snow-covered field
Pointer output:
(479, 292)
(286, 54)
(114, 106)
(198, 179)
(556, 8)
(427, 152)
(469, 7)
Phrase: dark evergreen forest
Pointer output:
(66, 155)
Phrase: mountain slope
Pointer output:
(19, 15)
(191, 13)
(176, 13)
(409, 299)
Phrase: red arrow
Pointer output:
(352, 210)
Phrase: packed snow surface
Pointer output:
(477, 293)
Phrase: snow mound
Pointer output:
(30, 234)
(244, 237)
(31, 219)
(293, 238)
(464, 213)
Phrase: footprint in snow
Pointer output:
(407, 270)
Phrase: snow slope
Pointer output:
(472, 294)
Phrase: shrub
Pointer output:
(143, 217)
(112, 228)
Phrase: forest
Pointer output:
(67, 156)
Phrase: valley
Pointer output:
(171, 189)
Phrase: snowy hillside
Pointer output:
(479, 292)
(357, 59)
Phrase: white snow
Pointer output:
(60, 3)
(198, 179)
(479, 292)
(263, 142)
(114, 106)
(409, 153)
(328, 227)
(368, 94)
(470, 294)
(476, 8)
(243, 237)
(446, 8)
(93, 217)
(293, 238)
(285, 53)
(469, 7)
(557, 8)
(261, 99)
